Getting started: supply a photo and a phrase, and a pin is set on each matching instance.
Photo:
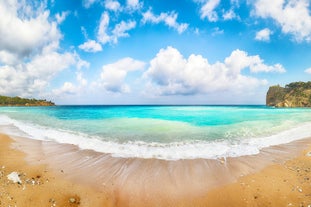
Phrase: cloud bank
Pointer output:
(112, 77)
(172, 74)
(292, 16)
(29, 44)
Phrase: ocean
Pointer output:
(162, 132)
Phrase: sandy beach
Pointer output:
(137, 103)
(47, 181)
(39, 185)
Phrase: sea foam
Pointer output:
(167, 151)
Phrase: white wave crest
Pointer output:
(147, 150)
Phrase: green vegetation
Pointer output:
(296, 94)
(17, 101)
(298, 85)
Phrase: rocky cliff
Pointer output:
(297, 94)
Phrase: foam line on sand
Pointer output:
(274, 176)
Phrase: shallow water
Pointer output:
(163, 132)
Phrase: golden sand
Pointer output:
(66, 183)
(39, 185)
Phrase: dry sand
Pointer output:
(39, 186)
(284, 184)
(287, 184)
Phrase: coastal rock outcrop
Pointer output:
(296, 94)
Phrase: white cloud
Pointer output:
(133, 4)
(29, 44)
(229, 15)
(24, 31)
(113, 75)
(88, 3)
(240, 60)
(208, 10)
(102, 35)
(26, 79)
(8, 57)
(120, 30)
(293, 16)
(308, 71)
(80, 63)
(91, 46)
(61, 17)
(48, 64)
(68, 88)
(171, 74)
(82, 81)
(170, 19)
(263, 35)
(112, 5)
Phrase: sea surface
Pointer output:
(162, 132)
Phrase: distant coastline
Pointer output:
(18, 101)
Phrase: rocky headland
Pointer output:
(296, 94)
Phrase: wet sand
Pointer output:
(63, 175)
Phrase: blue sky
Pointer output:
(153, 52)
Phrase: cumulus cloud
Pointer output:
(29, 44)
(24, 31)
(293, 16)
(26, 79)
(68, 88)
(263, 35)
(112, 5)
(169, 19)
(240, 60)
(113, 75)
(308, 71)
(172, 74)
(91, 46)
(8, 57)
(120, 30)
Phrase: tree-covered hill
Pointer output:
(17, 101)
(296, 94)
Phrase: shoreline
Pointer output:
(151, 182)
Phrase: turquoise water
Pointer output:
(141, 130)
